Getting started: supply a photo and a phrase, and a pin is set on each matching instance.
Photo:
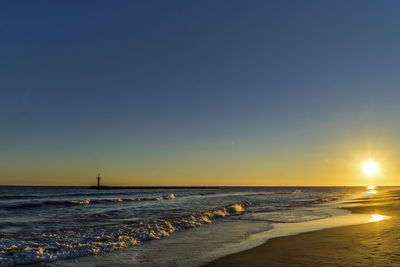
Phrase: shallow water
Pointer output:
(69, 225)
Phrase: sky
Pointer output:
(199, 92)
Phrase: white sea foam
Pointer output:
(166, 197)
(80, 202)
(235, 208)
(115, 200)
(56, 245)
(71, 222)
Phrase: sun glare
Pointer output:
(370, 168)
(372, 189)
(377, 218)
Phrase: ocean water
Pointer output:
(55, 226)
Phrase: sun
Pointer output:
(370, 168)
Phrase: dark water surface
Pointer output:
(47, 224)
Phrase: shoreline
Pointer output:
(214, 240)
(320, 247)
(228, 237)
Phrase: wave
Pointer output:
(236, 194)
(315, 201)
(66, 195)
(96, 193)
(38, 204)
(7, 197)
(325, 199)
(79, 202)
(167, 197)
(64, 244)
(292, 192)
(28, 205)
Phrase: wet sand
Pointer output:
(371, 244)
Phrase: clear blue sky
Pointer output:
(194, 92)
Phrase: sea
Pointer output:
(78, 226)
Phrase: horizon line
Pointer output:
(192, 186)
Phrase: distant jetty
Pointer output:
(104, 187)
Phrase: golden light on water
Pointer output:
(372, 189)
(377, 218)
(370, 168)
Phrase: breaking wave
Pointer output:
(37, 204)
(315, 201)
(63, 244)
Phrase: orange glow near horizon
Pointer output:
(213, 167)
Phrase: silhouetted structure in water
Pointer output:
(98, 179)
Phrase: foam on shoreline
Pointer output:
(58, 245)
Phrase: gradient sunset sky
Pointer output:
(199, 92)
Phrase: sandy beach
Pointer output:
(376, 243)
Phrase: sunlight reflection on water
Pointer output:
(372, 189)
(377, 218)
